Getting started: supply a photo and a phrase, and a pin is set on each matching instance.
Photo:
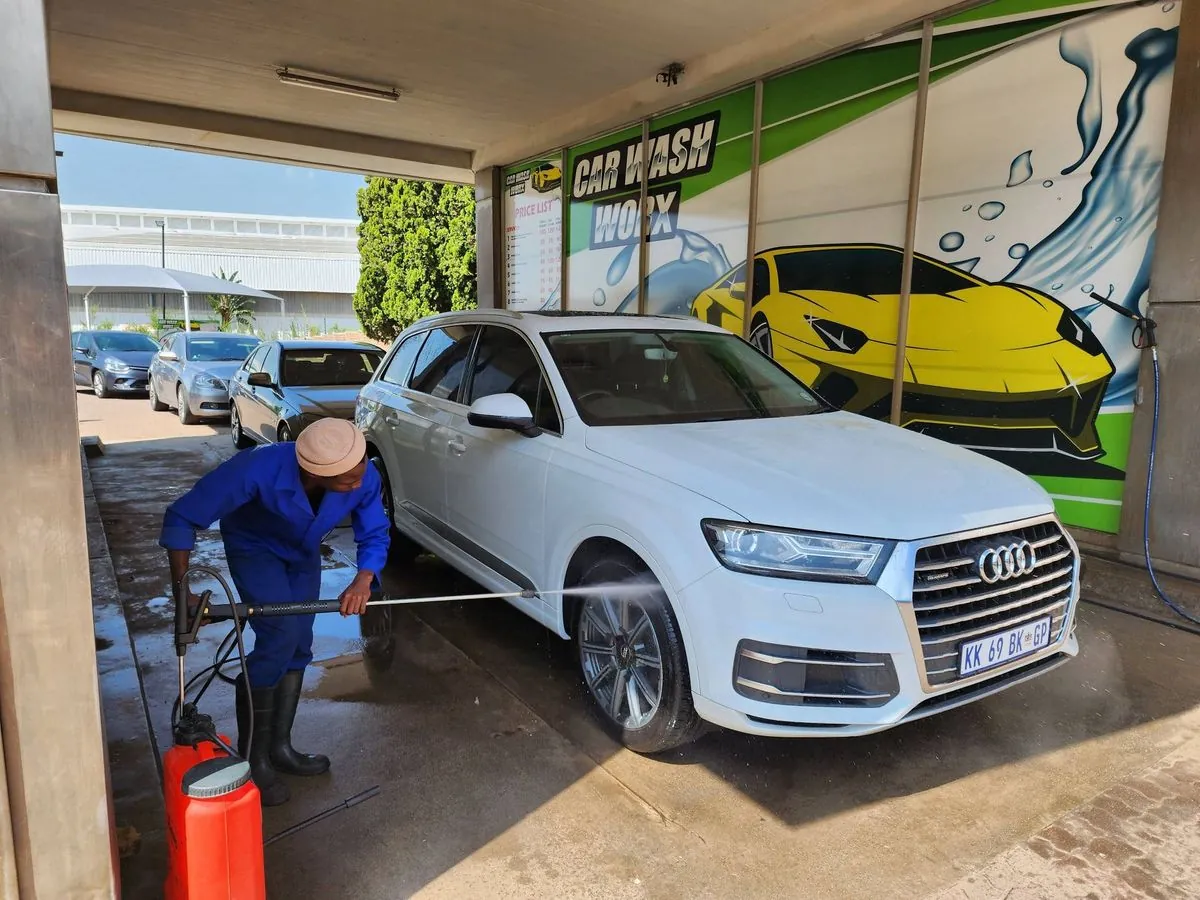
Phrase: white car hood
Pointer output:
(832, 472)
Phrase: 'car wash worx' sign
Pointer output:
(610, 178)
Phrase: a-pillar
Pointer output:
(1175, 299)
(55, 820)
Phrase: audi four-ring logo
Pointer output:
(1006, 562)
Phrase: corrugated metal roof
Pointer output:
(316, 255)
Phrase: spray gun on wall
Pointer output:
(1144, 338)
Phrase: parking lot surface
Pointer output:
(496, 780)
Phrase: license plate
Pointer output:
(1003, 646)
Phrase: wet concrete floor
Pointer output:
(496, 781)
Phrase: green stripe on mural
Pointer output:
(807, 104)
(734, 138)
(998, 9)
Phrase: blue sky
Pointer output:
(109, 173)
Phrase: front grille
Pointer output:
(953, 604)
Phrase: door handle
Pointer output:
(456, 446)
(391, 419)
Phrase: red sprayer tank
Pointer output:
(214, 826)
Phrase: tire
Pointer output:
(155, 404)
(185, 414)
(240, 440)
(760, 335)
(282, 435)
(612, 635)
(401, 549)
(99, 385)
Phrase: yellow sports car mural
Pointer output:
(545, 177)
(988, 366)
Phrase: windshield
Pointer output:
(866, 271)
(129, 341)
(659, 377)
(328, 368)
(228, 348)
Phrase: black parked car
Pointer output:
(286, 385)
(112, 362)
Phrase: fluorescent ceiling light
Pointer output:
(322, 82)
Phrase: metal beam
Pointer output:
(206, 131)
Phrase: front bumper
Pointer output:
(135, 381)
(867, 633)
(208, 403)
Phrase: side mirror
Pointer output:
(168, 355)
(260, 379)
(504, 411)
(737, 290)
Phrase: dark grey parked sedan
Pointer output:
(112, 362)
(286, 385)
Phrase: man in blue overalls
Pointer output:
(275, 504)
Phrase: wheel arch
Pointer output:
(594, 544)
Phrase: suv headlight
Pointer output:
(211, 382)
(115, 366)
(807, 556)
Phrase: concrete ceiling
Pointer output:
(483, 81)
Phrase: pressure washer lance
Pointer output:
(236, 611)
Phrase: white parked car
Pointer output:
(796, 571)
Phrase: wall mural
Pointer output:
(1043, 149)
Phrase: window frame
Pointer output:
(470, 374)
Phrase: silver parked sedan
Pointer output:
(286, 385)
(191, 372)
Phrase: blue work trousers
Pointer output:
(283, 643)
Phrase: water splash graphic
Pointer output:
(967, 208)
(620, 265)
(1056, 286)
(1047, 183)
(1020, 170)
(990, 210)
(1018, 251)
(671, 287)
(951, 241)
(989, 237)
(1117, 212)
(967, 265)
(1088, 288)
(1075, 47)
(598, 297)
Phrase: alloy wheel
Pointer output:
(621, 659)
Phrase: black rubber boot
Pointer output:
(272, 791)
(284, 756)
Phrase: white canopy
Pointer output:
(151, 279)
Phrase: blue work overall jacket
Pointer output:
(273, 542)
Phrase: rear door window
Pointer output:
(442, 362)
(402, 360)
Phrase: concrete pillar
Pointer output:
(55, 806)
(1175, 297)
(489, 238)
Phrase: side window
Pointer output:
(505, 364)
(179, 346)
(79, 342)
(737, 276)
(440, 364)
(270, 365)
(762, 280)
(254, 361)
(402, 360)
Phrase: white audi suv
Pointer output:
(744, 555)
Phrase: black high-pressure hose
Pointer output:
(1144, 338)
